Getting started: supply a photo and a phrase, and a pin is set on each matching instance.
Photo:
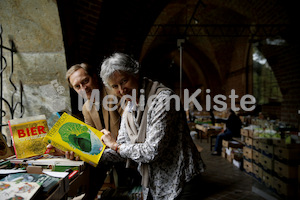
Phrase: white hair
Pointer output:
(118, 62)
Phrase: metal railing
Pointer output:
(12, 106)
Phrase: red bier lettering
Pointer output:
(31, 131)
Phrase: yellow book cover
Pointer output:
(28, 134)
(69, 133)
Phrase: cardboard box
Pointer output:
(242, 138)
(265, 140)
(244, 132)
(225, 143)
(287, 189)
(229, 157)
(237, 154)
(247, 166)
(279, 142)
(249, 141)
(267, 179)
(223, 149)
(250, 133)
(247, 152)
(257, 171)
(255, 156)
(223, 154)
(232, 143)
(266, 148)
(285, 171)
(266, 162)
(247, 132)
(255, 144)
(289, 154)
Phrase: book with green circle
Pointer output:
(70, 133)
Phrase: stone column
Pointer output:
(39, 63)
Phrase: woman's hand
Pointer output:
(51, 150)
(71, 155)
(57, 152)
(109, 140)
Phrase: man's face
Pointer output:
(82, 82)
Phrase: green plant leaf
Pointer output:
(71, 128)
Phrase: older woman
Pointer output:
(153, 133)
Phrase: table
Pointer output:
(65, 188)
(208, 130)
(73, 188)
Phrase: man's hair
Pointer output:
(87, 68)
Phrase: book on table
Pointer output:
(71, 134)
(18, 190)
(28, 134)
(58, 164)
(47, 182)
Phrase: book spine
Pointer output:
(12, 138)
(54, 130)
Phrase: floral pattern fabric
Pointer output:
(169, 151)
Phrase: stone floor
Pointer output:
(223, 180)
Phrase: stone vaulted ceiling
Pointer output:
(214, 33)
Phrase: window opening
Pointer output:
(265, 86)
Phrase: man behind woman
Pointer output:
(152, 137)
(84, 79)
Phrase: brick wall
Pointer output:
(87, 12)
(236, 78)
(285, 64)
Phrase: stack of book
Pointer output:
(33, 172)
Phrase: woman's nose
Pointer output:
(83, 86)
(121, 90)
